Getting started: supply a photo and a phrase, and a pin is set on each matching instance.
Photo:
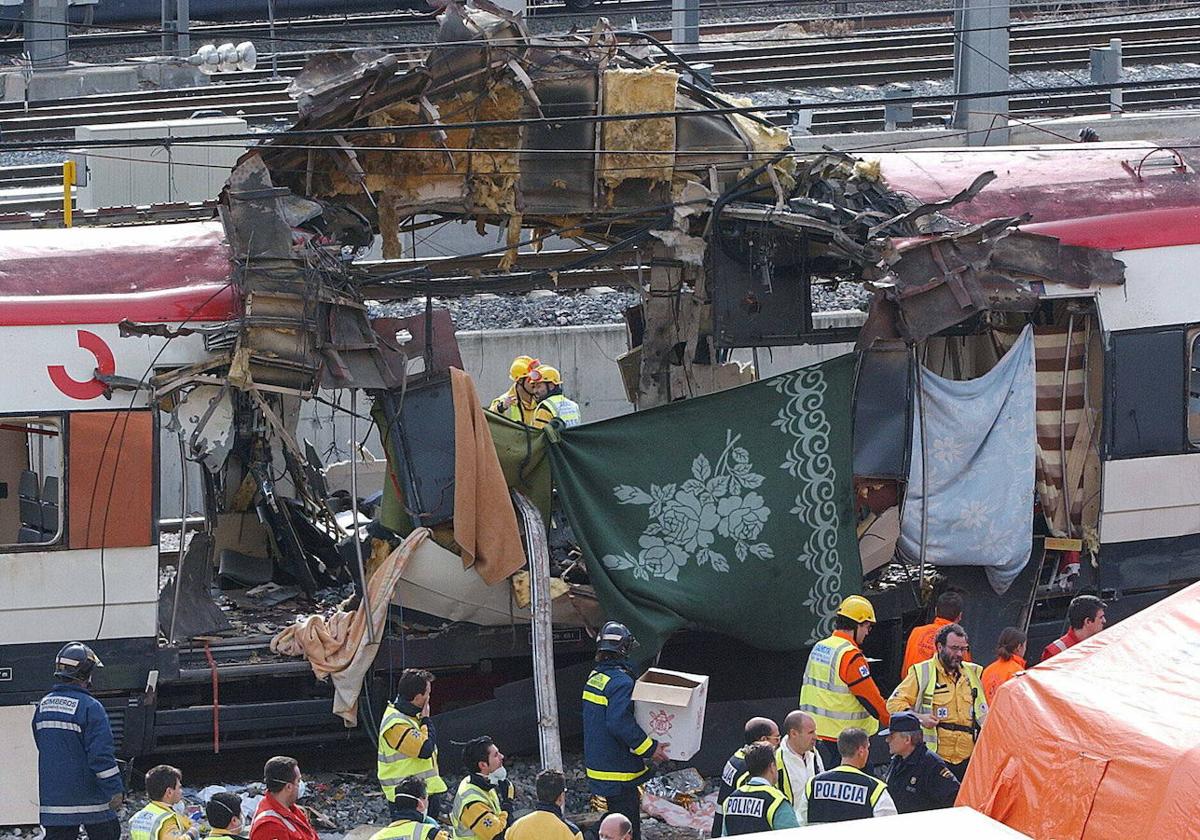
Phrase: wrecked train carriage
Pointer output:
(572, 133)
(1099, 272)
(119, 343)
(79, 481)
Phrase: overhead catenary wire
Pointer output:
(514, 43)
(199, 30)
(518, 122)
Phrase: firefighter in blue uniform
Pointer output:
(78, 777)
(615, 749)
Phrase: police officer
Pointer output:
(408, 743)
(758, 804)
(410, 821)
(615, 748)
(917, 779)
(78, 778)
(846, 792)
(838, 690)
(758, 729)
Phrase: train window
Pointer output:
(31, 481)
(1193, 405)
(1145, 405)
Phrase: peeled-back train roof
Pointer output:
(155, 273)
(1117, 196)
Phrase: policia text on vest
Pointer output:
(845, 793)
(752, 808)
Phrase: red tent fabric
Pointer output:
(1103, 739)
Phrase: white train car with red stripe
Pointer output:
(1117, 372)
(79, 482)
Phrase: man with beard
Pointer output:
(946, 694)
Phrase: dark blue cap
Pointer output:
(902, 722)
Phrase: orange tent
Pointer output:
(1103, 740)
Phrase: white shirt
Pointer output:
(801, 768)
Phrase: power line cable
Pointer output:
(266, 143)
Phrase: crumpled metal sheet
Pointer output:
(937, 283)
(1045, 258)
(329, 80)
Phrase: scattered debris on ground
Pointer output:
(344, 800)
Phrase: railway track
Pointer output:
(830, 63)
(307, 28)
(904, 55)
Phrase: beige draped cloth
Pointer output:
(339, 647)
(485, 523)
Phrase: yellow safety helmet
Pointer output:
(550, 374)
(857, 608)
(522, 367)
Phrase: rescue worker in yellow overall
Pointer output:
(483, 805)
(158, 820)
(946, 694)
(408, 742)
(413, 822)
(523, 401)
(546, 821)
(564, 409)
(224, 815)
(838, 690)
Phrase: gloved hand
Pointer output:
(116, 802)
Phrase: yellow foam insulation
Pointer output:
(513, 241)
(643, 148)
(868, 170)
(478, 168)
(766, 141)
(389, 227)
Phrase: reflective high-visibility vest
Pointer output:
(826, 697)
(394, 765)
(927, 683)
(406, 830)
(844, 793)
(751, 809)
(468, 793)
(147, 822)
(513, 412)
(564, 409)
(785, 782)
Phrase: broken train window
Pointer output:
(31, 487)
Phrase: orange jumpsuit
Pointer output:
(998, 673)
(922, 645)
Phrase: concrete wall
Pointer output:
(586, 356)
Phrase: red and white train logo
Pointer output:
(88, 389)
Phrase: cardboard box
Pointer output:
(669, 706)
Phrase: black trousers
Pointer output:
(959, 769)
(629, 803)
(107, 830)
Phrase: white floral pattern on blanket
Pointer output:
(980, 436)
(809, 461)
(699, 518)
